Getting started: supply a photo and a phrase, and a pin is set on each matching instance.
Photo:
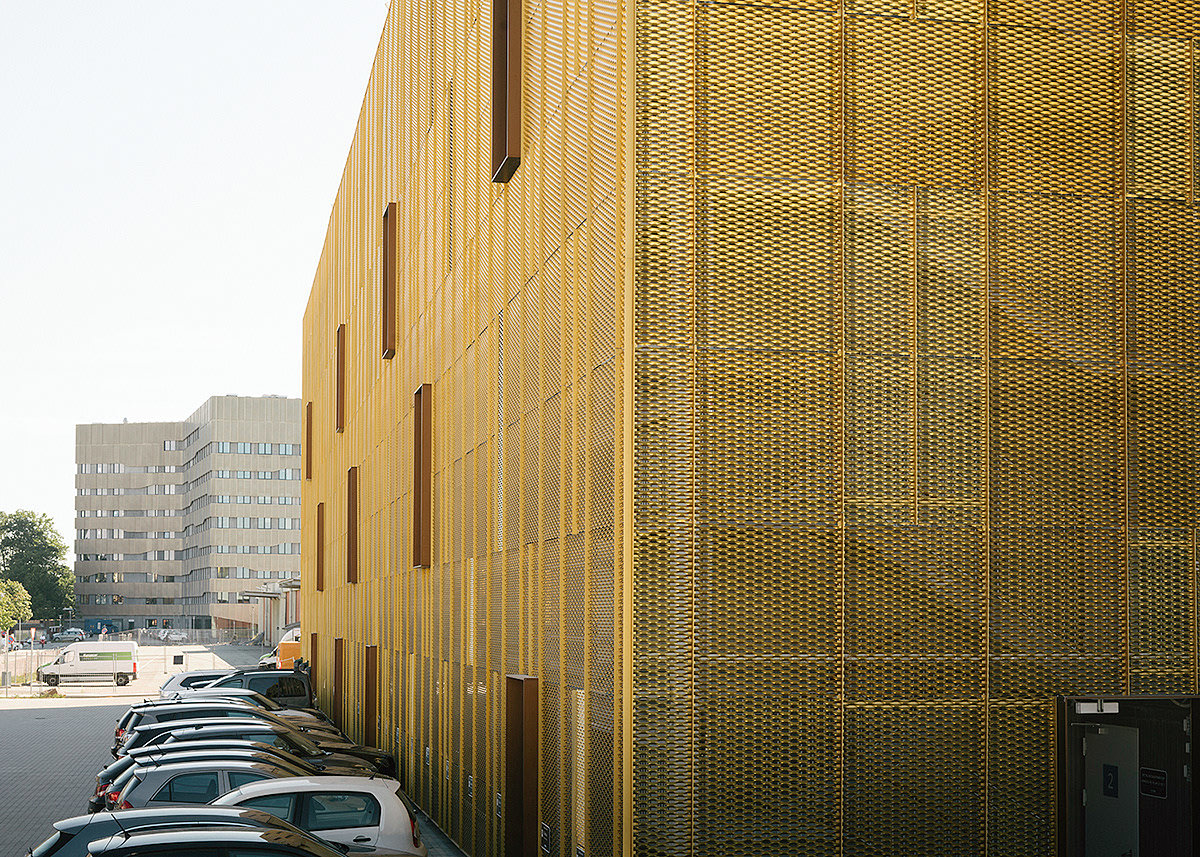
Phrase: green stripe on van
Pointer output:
(105, 656)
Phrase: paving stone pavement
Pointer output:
(50, 751)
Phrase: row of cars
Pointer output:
(214, 768)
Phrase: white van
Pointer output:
(93, 660)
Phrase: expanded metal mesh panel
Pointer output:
(1053, 110)
(914, 614)
(884, 773)
(930, 134)
(1020, 779)
(1160, 116)
(915, 310)
(1162, 612)
(801, 140)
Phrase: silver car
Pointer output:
(192, 782)
(185, 680)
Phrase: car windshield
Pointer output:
(303, 743)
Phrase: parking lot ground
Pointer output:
(50, 752)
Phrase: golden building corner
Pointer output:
(813, 404)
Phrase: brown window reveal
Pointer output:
(370, 694)
(338, 656)
(307, 440)
(312, 659)
(391, 226)
(521, 765)
(506, 88)
(422, 474)
(352, 525)
(320, 547)
(339, 418)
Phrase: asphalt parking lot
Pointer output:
(51, 749)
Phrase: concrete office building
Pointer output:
(808, 401)
(175, 522)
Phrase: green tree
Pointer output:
(14, 605)
(31, 553)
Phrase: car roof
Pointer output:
(334, 782)
(159, 814)
(268, 672)
(201, 702)
(233, 724)
(177, 699)
(219, 764)
(198, 746)
(202, 689)
(179, 678)
(186, 753)
(198, 722)
(214, 837)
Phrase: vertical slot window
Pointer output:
(388, 298)
(320, 547)
(307, 440)
(352, 525)
(370, 694)
(338, 667)
(506, 88)
(339, 419)
(422, 474)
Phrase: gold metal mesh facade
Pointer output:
(817, 401)
(916, 313)
(510, 305)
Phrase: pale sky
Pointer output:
(167, 169)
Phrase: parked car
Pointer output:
(192, 678)
(217, 842)
(113, 793)
(68, 635)
(254, 698)
(106, 791)
(116, 661)
(235, 698)
(148, 714)
(175, 636)
(346, 810)
(192, 782)
(72, 836)
(146, 734)
(292, 688)
(247, 730)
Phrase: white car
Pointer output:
(353, 811)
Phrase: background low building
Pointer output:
(177, 521)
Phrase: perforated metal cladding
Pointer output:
(509, 304)
(915, 318)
